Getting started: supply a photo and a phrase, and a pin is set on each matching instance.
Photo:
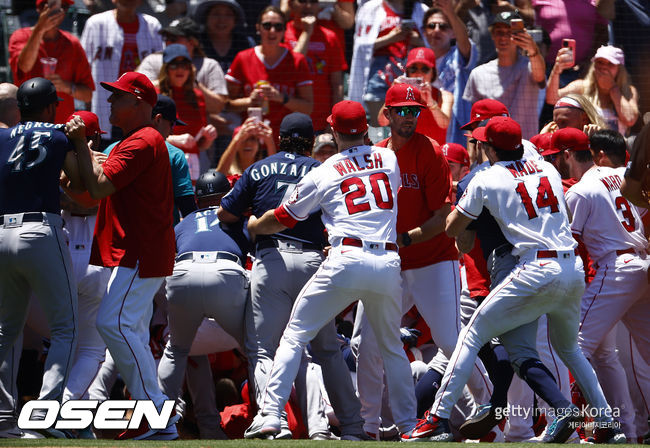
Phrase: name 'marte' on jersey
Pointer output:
(31, 157)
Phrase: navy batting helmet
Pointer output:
(212, 182)
(36, 93)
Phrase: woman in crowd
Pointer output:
(607, 85)
(177, 79)
(246, 147)
(434, 118)
(270, 75)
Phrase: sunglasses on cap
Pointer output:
(403, 111)
(442, 26)
(418, 68)
(268, 25)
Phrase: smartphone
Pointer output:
(255, 113)
(516, 25)
(408, 23)
(416, 82)
(571, 44)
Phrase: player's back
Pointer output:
(604, 219)
(527, 200)
(31, 158)
(359, 188)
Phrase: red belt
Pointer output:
(625, 251)
(358, 243)
(551, 253)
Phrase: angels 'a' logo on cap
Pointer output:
(409, 93)
(420, 54)
(444, 149)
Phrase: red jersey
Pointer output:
(324, 56)
(290, 72)
(333, 26)
(193, 115)
(426, 187)
(391, 21)
(427, 124)
(478, 278)
(134, 225)
(72, 65)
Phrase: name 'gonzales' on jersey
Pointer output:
(266, 170)
(352, 164)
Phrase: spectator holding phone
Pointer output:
(47, 51)
(421, 72)
(246, 147)
(512, 78)
(456, 57)
(607, 85)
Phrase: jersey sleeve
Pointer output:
(181, 175)
(240, 198)
(580, 208)
(127, 161)
(438, 186)
(236, 71)
(471, 203)
(303, 73)
(301, 204)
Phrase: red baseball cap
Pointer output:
(348, 117)
(503, 133)
(136, 84)
(421, 55)
(403, 95)
(90, 121)
(63, 2)
(569, 139)
(542, 142)
(484, 109)
(455, 153)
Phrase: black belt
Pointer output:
(27, 217)
(220, 256)
(356, 242)
(266, 244)
(552, 253)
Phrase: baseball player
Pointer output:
(612, 232)
(208, 281)
(429, 257)
(356, 191)
(525, 197)
(284, 262)
(635, 184)
(34, 256)
(134, 235)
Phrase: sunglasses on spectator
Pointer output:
(268, 25)
(403, 111)
(175, 65)
(302, 2)
(418, 68)
(442, 26)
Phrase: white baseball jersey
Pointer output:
(527, 200)
(357, 192)
(602, 217)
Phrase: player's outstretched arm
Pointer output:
(465, 241)
(456, 223)
(431, 227)
(268, 224)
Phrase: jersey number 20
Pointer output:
(545, 197)
(353, 188)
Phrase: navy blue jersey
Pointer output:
(486, 227)
(201, 231)
(267, 184)
(31, 158)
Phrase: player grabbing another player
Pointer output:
(356, 190)
(133, 236)
(526, 199)
(34, 256)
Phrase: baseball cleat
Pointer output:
(361, 437)
(263, 426)
(609, 435)
(144, 432)
(429, 429)
(12, 433)
(480, 423)
(565, 424)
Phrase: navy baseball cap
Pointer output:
(183, 27)
(505, 17)
(174, 51)
(297, 124)
(166, 107)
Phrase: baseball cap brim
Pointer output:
(550, 152)
(467, 125)
(479, 134)
(112, 86)
(179, 122)
(407, 103)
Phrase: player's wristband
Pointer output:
(406, 239)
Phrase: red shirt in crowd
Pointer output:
(391, 21)
(130, 59)
(426, 187)
(134, 225)
(324, 56)
(290, 72)
(192, 114)
(333, 26)
(72, 64)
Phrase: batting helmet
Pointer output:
(212, 182)
(36, 93)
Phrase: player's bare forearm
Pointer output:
(268, 224)
(465, 241)
(633, 192)
(456, 223)
(431, 227)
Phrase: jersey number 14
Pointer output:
(545, 197)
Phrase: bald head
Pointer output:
(9, 112)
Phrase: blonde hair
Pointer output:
(188, 86)
(589, 109)
(622, 80)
